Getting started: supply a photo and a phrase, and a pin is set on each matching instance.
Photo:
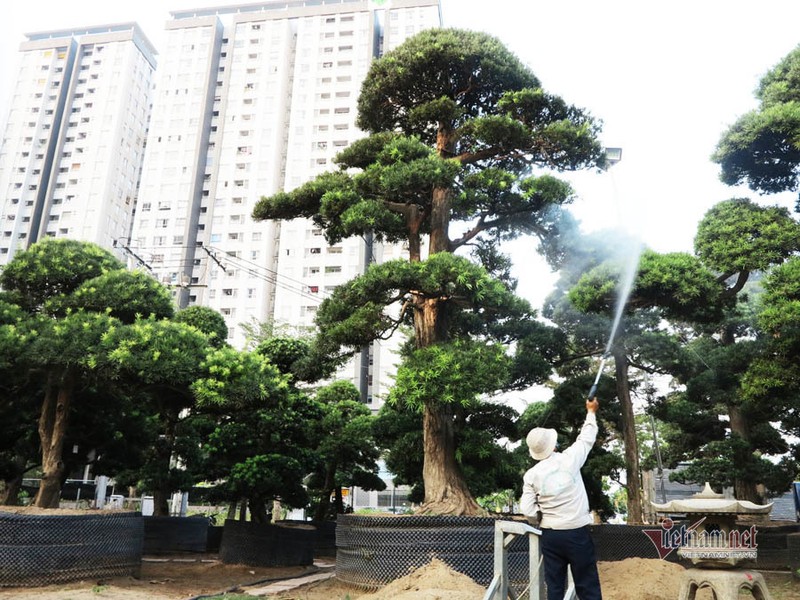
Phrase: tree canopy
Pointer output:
(762, 148)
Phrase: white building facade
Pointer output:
(251, 100)
(71, 153)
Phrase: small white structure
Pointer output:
(148, 506)
(100, 487)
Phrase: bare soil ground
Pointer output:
(185, 578)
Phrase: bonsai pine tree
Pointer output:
(734, 362)
(673, 286)
(762, 148)
(80, 294)
(456, 123)
(347, 450)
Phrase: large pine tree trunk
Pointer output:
(325, 500)
(632, 475)
(9, 493)
(258, 510)
(160, 503)
(163, 489)
(743, 488)
(440, 219)
(12, 486)
(414, 219)
(446, 491)
(53, 423)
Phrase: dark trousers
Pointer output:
(574, 548)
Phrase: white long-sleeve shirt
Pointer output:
(557, 479)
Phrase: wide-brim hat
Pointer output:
(541, 442)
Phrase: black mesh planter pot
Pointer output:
(618, 542)
(40, 550)
(793, 544)
(372, 551)
(214, 539)
(325, 544)
(267, 545)
(165, 535)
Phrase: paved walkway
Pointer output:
(278, 587)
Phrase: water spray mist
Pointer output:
(612, 157)
(628, 277)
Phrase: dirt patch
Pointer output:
(187, 577)
(172, 579)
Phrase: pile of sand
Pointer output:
(642, 579)
(630, 579)
(434, 581)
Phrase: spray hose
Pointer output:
(593, 389)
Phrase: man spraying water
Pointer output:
(553, 492)
(553, 496)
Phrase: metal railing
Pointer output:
(500, 588)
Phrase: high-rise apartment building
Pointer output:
(251, 100)
(248, 100)
(71, 153)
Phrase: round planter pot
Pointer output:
(165, 535)
(325, 544)
(40, 550)
(267, 545)
(372, 551)
(214, 540)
